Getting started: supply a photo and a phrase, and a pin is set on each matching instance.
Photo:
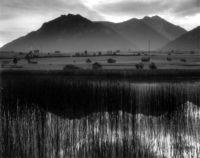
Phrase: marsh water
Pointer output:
(45, 116)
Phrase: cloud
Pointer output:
(136, 7)
(18, 17)
(185, 13)
(186, 8)
(14, 8)
(6, 36)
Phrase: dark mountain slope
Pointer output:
(70, 33)
(140, 31)
(164, 27)
(75, 33)
(188, 41)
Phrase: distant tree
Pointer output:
(118, 51)
(85, 52)
(152, 66)
(169, 59)
(96, 66)
(192, 52)
(110, 60)
(139, 66)
(15, 60)
(100, 53)
(71, 67)
(183, 60)
(145, 59)
(88, 60)
(57, 52)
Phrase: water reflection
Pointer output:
(158, 120)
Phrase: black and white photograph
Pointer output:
(99, 79)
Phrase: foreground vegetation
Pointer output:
(52, 115)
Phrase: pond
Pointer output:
(82, 117)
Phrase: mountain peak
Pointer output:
(71, 17)
(146, 18)
(197, 28)
(64, 22)
(155, 17)
(73, 32)
(169, 30)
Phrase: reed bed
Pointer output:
(80, 117)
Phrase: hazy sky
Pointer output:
(18, 17)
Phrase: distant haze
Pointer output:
(19, 17)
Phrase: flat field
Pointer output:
(176, 60)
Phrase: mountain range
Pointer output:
(154, 29)
(70, 33)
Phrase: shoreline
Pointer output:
(143, 75)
